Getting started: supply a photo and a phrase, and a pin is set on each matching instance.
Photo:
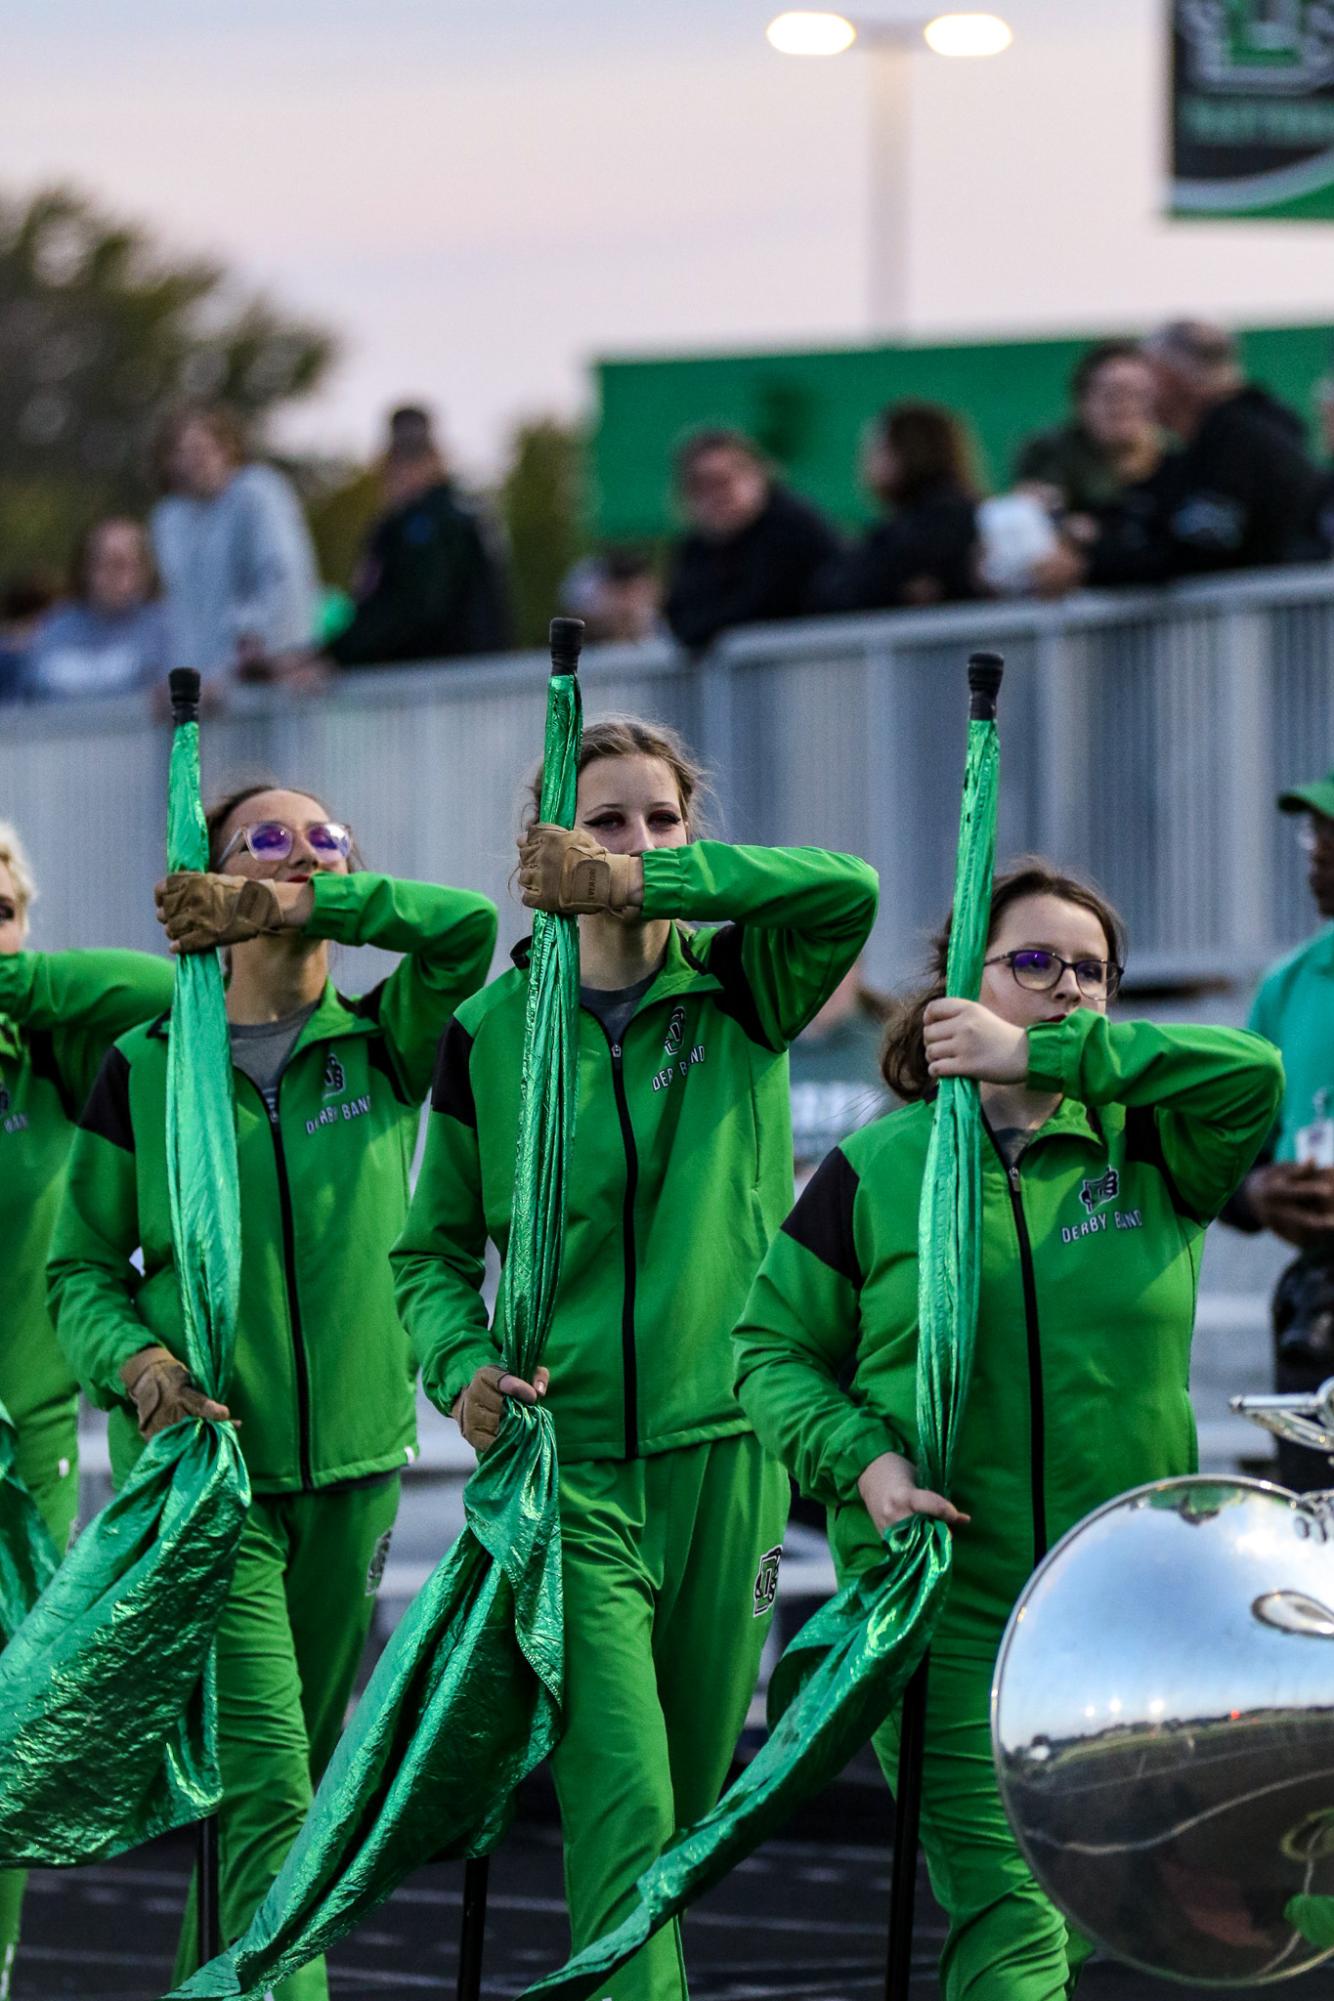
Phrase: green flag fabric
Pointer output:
(107, 1714)
(28, 1556)
(849, 1665)
(465, 1700)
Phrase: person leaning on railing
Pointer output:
(328, 1095)
(1108, 1148)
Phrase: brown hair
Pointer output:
(632, 736)
(929, 444)
(903, 1053)
(81, 561)
(708, 438)
(225, 425)
(220, 812)
(1094, 359)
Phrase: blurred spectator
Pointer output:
(618, 596)
(917, 464)
(1111, 441)
(1324, 398)
(24, 603)
(112, 638)
(1290, 1190)
(751, 549)
(432, 585)
(1241, 493)
(232, 546)
(836, 1081)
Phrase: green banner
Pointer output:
(465, 1699)
(1252, 111)
(108, 1724)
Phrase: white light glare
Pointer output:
(806, 34)
(968, 35)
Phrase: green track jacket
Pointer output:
(59, 1013)
(682, 1164)
(1090, 1266)
(322, 1379)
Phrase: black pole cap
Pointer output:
(984, 679)
(567, 641)
(184, 685)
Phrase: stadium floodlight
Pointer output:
(806, 32)
(889, 42)
(968, 35)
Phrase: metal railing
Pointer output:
(1144, 737)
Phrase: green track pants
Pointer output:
(670, 1567)
(48, 1463)
(1006, 1940)
(289, 1643)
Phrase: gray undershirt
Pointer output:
(614, 1006)
(1012, 1143)
(260, 1050)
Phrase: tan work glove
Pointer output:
(479, 1405)
(163, 1392)
(201, 911)
(565, 870)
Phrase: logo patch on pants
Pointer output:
(379, 1558)
(766, 1580)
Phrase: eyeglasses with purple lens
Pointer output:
(273, 840)
(1040, 970)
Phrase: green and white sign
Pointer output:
(1253, 108)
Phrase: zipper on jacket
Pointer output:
(1037, 1419)
(629, 1359)
(293, 1302)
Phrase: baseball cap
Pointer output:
(1315, 797)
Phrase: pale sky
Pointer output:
(482, 197)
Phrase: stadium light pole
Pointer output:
(890, 46)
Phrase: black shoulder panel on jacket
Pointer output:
(822, 1220)
(107, 1112)
(381, 1057)
(42, 1056)
(451, 1088)
(736, 998)
(1144, 1143)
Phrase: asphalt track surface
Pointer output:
(802, 1920)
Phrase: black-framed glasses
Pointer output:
(1040, 970)
(274, 840)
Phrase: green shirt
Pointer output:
(682, 1160)
(1294, 1008)
(322, 1378)
(59, 1013)
(1090, 1267)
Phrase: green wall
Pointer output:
(808, 409)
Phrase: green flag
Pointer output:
(28, 1556)
(107, 1713)
(465, 1700)
(851, 1663)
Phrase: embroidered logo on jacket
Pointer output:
(766, 1580)
(1102, 1188)
(676, 1031)
(335, 1077)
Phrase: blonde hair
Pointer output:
(15, 857)
(633, 736)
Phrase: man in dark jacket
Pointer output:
(751, 549)
(1242, 493)
(432, 585)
